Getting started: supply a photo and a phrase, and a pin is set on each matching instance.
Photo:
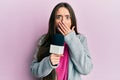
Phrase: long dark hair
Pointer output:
(44, 48)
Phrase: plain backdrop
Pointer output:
(22, 22)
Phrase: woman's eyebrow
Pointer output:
(67, 15)
(62, 15)
(58, 15)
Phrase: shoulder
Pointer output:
(41, 39)
(82, 36)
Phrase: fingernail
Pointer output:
(58, 27)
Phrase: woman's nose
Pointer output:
(63, 20)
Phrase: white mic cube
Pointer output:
(56, 49)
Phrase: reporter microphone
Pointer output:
(57, 44)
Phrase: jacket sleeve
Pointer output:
(79, 53)
(42, 68)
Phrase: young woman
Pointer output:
(75, 60)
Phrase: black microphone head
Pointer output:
(58, 39)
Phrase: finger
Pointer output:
(66, 26)
(62, 27)
(61, 31)
(54, 54)
(54, 63)
(55, 57)
(60, 55)
(55, 60)
(73, 28)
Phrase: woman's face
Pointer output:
(63, 15)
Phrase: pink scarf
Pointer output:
(62, 69)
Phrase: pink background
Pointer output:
(22, 22)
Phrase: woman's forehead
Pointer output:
(62, 11)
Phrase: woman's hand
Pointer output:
(64, 29)
(55, 58)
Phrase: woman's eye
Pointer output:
(58, 17)
(67, 17)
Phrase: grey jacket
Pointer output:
(80, 62)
